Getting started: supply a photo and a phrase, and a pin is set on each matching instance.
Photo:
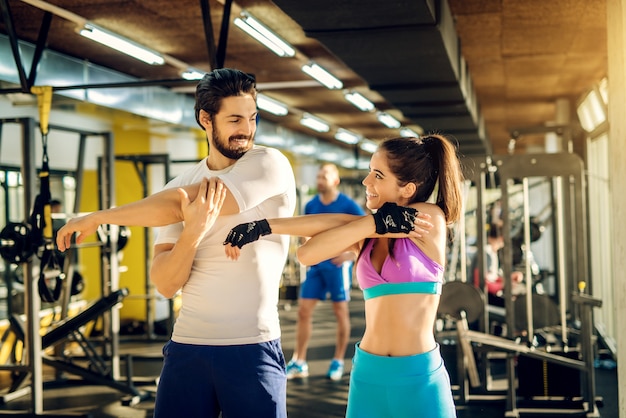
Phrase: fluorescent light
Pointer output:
(348, 162)
(323, 76)
(363, 165)
(314, 123)
(192, 74)
(359, 101)
(270, 105)
(328, 156)
(591, 111)
(261, 33)
(346, 136)
(115, 41)
(408, 133)
(304, 149)
(368, 146)
(388, 120)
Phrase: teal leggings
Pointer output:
(399, 387)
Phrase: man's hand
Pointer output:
(200, 214)
(395, 219)
(83, 226)
(244, 234)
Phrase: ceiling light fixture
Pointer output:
(270, 105)
(346, 136)
(323, 76)
(368, 146)
(118, 42)
(388, 120)
(408, 133)
(192, 74)
(261, 33)
(314, 123)
(359, 101)
(591, 111)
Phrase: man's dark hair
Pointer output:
(218, 84)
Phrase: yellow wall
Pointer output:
(131, 136)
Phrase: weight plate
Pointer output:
(15, 243)
(458, 296)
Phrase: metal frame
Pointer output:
(569, 218)
(567, 173)
(110, 277)
(141, 163)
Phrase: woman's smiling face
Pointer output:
(381, 185)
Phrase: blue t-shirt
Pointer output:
(343, 204)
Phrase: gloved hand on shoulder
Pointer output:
(246, 233)
(393, 218)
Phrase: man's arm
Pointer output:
(171, 264)
(162, 208)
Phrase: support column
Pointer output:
(616, 38)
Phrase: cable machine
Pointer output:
(103, 367)
(538, 354)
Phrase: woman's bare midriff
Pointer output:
(400, 325)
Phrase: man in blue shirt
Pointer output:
(331, 277)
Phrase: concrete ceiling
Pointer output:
(473, 69)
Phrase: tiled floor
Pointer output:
(314, 397)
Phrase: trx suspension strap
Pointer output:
(51, 273)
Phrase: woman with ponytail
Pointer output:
(414, 189)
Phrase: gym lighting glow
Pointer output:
(261, 33)
(359, 101)
(126, 46)
(323, 76)
(368, 146)
(388, 120)
(314, 123)
(591, 111)
(346, 136)
(270, 105)
(408, 133)
(192, 74)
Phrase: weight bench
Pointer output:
(70, 329)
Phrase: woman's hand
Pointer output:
(244, 234)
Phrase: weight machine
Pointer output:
(104, 367)
(546, 339)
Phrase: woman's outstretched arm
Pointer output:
(312, 225)
(300, 226)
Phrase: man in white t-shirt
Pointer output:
(225, 354)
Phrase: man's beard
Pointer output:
(227, 151)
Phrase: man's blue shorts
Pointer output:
(323, 280)
(402, 387)
(239, 380)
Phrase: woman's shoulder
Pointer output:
(429, 208)
(433, 243)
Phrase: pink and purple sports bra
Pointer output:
(409, 271)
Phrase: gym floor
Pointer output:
(314, 397)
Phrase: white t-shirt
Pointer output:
(227, 302)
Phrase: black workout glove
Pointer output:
(244, 234)
(393, 218)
